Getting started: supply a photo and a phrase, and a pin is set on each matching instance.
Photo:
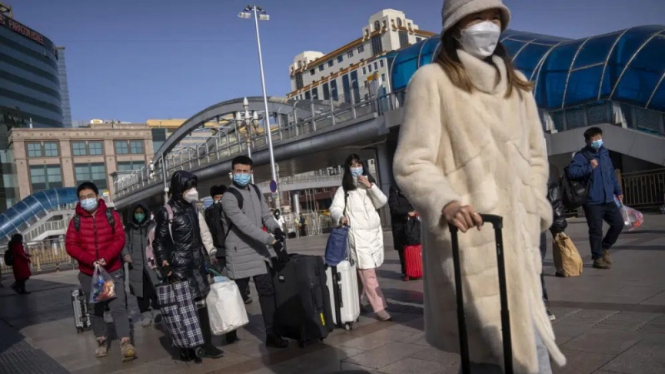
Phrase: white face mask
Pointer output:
(481, 39)
(191, 196)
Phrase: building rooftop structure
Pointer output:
(626, 66)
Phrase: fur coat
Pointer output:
(488, 151)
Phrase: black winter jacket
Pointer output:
(184, 251)
(213, 216)
(559, 224)
(399, 210)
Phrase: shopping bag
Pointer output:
(632, 218)
(226, 308)
(567, 259)
(413, 231)
(336, 247)
(102, 288)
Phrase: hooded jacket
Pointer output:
(183, 249)
(603, 182)
(136, 242)
(95, 239)
(399, 216)
(487, 150)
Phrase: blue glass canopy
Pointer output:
(28, 210)
(625, 66)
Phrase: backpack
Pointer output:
(109, 218)
(9, 257)
(241, 201)
(575, 192)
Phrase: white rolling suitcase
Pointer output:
(342, 281)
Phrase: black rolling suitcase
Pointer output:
(81, 315)
(303, 310)
(497, 222)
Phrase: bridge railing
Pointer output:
(644, 189)
(340, 109)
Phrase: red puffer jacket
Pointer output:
(95, 239)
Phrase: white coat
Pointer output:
(365, 231)
(486, 150)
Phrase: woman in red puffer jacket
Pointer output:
(21, 264)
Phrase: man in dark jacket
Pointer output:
(179, 249)
(593, 164)
(213, 216)
(247, 245)
(142, 275)
(400, 211)
(559, 224)
(95, 237)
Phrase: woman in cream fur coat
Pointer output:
(472, 141)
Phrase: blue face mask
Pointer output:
(89, 204)
(242, 179)
(139, 217)
(356, 172)
(596, 144)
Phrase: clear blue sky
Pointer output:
(137, 59)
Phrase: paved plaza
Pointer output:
(607, 322)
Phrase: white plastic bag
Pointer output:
(226, 308)
(632, 218)
(102, 286)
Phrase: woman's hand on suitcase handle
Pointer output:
(344, 221)
(462, 217)
(165, 265)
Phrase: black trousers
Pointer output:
(402, 262)
(266, 291)
(149, 298)
(595, 215)
(543, 251)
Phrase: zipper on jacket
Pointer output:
(94, 227)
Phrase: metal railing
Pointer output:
(230, 144)
(644, 189)
(45, 256)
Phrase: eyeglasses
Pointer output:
(88, 196)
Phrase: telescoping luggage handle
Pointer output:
(497, 223)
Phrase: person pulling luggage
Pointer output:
(249, 249)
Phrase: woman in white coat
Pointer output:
(355, 205)
(472, 141)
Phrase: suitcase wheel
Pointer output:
(199, 352)
(348, 327)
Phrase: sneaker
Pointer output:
(276, 341)
(210, 351)
(606, 257)
(102, 348)
(383, 316)
(158, 318)
(146, 319)
(600, 263)
(127, 349)
(551, 316)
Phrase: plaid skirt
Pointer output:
(179, 313)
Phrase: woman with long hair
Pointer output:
(355, 205)
(21, 265)
(471, 142)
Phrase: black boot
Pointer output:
(232, 337)
(276, 341)
(209, 349)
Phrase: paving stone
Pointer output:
(581, 362)
(647, 357)
(433, 354)
(627, 320)
(603, 341)
(412, 365)
(384, 355)
(377, 339)
(349, 368)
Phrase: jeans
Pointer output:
(595, 215)
(117, 306)
(266, 291)
(543, 251)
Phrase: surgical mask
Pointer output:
(139, 217)
(191, 195)
(596, 144)
(89, 204)
(356, 172)
(242, 179)
(481, 39)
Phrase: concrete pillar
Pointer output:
(296, 203)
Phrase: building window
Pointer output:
(95, 173)
(349, 54)
(315, 93)
(377, 45)
(364, 70)
(377, 26)
(403, 39)
(321, 67)
(121, 147)
(326, 91)
(95, 149)
(381, 62)
(376, 66)
(383, 77)
(399, 22)
(419, 39)
(369, 67)
(51, 149)
(136, 147)
(131, 165)
(308, 96)
(35, 150)
(79, 149)
(333, 89)
(340, 59)
(299, 82)
(331, 63)
(43, 177)
(312, 72)
(361, 48)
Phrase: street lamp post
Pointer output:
(261, 15)
(248, 120)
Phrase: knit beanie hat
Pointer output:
(454, 10)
